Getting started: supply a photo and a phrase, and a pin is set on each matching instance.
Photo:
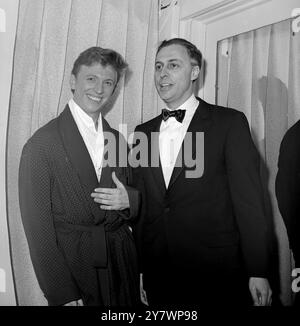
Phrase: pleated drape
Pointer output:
(259, 74)
(50, 35)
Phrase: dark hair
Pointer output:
(192, 50)
(105, 57)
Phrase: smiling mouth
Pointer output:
(95, 98)
(165, 86)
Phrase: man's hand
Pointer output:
(74, 303)
(260, 291)
(112, 198)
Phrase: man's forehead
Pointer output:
(173, 52)
(97, 68)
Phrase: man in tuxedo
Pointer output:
(74, 204)
(202, 233)
(288, 191)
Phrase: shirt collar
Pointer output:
(190, 104)
(84, 117)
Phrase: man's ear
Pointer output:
(72, 82)
(195, 73)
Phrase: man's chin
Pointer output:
(98, 106)
(164, 96)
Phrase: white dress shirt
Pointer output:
(92, 138)
(171, 136)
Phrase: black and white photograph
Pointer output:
(150, 157)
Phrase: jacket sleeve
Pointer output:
(242, 163)
(49, 264)
(134, 201)
(287, 188)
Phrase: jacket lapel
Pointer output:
(76, 149)
(153, 149)
(109, 149)
(81, 161)
(200, 123)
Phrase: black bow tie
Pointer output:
(177, 114)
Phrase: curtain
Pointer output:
(50, 36)
(259, 74)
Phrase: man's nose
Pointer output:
(99, 87)
(164, 72)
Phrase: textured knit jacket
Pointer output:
(77, 249)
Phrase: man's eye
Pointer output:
(158, 67)
(173, 66)
(108, 83)
(90, 78)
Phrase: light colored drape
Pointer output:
(50, 35)
(259, 74)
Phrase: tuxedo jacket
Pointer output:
(213, 224)
(288, 187)
(77, 249)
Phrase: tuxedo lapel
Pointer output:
(200, 123)
(153, 150)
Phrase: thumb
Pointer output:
(117, 182)
(255, 296)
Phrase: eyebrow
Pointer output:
(93, 75)
(171, 60)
